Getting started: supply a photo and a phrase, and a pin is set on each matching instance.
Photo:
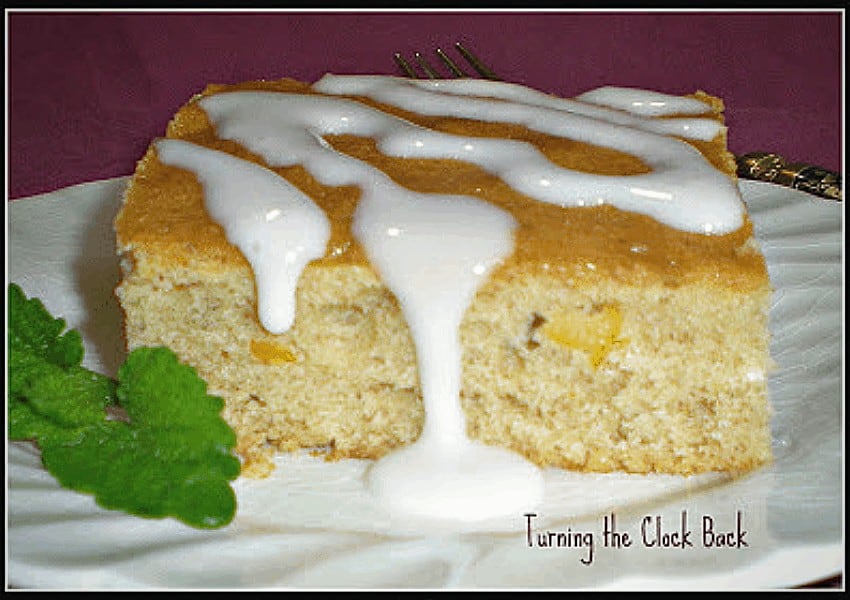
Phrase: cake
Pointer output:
(615, 321)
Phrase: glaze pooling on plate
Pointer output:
(434, 251)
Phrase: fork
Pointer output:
(758, 166)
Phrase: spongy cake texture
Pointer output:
(606, 342)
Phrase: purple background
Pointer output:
(88, 91)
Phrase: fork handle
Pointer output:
(766, 166)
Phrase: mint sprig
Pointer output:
(172, 457)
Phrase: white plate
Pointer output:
(312, 525)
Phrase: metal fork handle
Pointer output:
(772, 168)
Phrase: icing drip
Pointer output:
(434, 251)
(278, 229)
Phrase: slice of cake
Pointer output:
(315, 251)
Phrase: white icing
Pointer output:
(644, 102)
(435, 251)
(278, 228)
(683, 190)
(467, 481)
(427, 96)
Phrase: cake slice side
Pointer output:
(645, 349)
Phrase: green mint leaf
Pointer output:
(99, 463)
(172, 457)
(47, 389)
(69, 397)
(170, 410)
(34, 329)
(26, 423)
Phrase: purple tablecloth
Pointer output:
(88, 91)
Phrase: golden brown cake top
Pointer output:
(164, 210)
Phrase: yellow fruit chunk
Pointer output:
(594, 333)
(271, 353)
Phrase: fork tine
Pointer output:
(479, 66)
(450, 63)
(405, 66)
(429, 70)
